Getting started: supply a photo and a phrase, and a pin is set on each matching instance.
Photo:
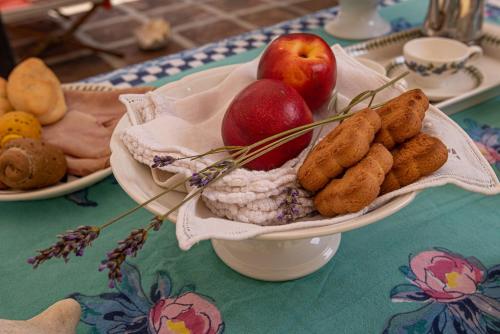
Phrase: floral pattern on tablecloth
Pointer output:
(487, 139)
(130, 310)
(81, 198)
(458, 295)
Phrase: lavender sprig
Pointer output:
(128, 247)
(162, 161)
(156, 223)
(204, 177)
(289, 207)
(73, 241)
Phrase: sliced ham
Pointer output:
(81, 167)
(85, 131)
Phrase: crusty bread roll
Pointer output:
(5, 105)
(3, 87)
(341, 148)
(30, 164)
(402, 118)
(420, 156)
(359, 186)
(34, 88)
(18, 124)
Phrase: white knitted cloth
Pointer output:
(169, 121)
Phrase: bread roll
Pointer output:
(34, 88)
(18, 124)
(3, 87)
(30, 164)
(5, 105)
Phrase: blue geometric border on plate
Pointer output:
(162, 67)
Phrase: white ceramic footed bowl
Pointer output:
(275, 256)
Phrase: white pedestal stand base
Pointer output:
(272, 260)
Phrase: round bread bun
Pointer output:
(4, 106)
(34, 88)
(18, 124)
(54, 115)
(29, 164)
(3, 87)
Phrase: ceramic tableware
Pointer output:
(466, 80)
(435, 61)
(273, 256)
(385, 49)
(72, 183)
(358, 19)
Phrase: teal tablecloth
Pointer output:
(441, 254)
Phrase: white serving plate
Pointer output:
(273, 256)
(74, 183)
(60, 189)
(385, 49)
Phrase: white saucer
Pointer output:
(467, 79)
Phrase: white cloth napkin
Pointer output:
(169, 121)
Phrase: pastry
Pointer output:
(359, 186)
(341, 148)
(30, 164)
(402, 118)
(4, 102)
(34, 88)
(18, 124)
(420, 156)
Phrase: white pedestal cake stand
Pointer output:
(275, 256)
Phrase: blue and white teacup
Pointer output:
(435, 60)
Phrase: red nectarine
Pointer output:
(265, 108)
(303, 61)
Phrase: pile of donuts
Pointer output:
(31, 97)
(370, 154)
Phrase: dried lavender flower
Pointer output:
(204, 177)
(128, 247)
(162, 161)
(290, 206)
(73, 241)
(156, 223)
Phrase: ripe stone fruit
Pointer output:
(303, 61)
(264, 108)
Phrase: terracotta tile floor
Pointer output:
(194, 23)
